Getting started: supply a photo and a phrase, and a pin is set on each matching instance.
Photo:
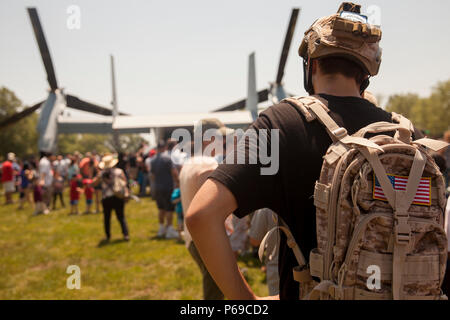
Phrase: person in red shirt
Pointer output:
(8, 177)
(87, 165)
(88, 193)
(75, 190)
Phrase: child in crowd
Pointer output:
(176, 200)
(39, 205)
(26, 188)
(75, 190)
(58, 187)
(88, 193)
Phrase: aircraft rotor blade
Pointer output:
(43, 48)
(251, 104)
(78, 104)
(19, 115)
(287, 45)
(262, 96)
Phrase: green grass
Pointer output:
(35, 252)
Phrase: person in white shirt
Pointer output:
(46, 177)
(61, 165)
(193, 174)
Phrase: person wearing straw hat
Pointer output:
(114, 193)
(8, 177)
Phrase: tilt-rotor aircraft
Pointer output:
(236, 115)
(52, 121)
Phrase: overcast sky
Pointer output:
(182, 56)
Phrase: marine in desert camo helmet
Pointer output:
(345, 34)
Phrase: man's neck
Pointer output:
(336, 85)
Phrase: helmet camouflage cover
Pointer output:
(344, 36)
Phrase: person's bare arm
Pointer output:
(97, 179)
(175, 176)
(205, 219)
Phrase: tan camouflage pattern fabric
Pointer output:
(355, 230)
(336, 36)
(353, 226)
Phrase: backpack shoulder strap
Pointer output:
(303, 104)
(406, 128)
(315, 107)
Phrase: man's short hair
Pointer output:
(45, 154)
(161, 144)
(171, 143)
(212, 123)
(346, 67)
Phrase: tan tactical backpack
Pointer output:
(380, 206)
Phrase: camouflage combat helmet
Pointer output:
(344, 34)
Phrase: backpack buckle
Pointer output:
(402, 230)
(339, 133)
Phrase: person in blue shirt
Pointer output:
(25, 186)
(176, 200)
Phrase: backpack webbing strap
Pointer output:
(405, 130)
(322, 289)
(290, 242)
(432, 144)
(316, 109)
(319, 109)
(400, 201)
(302, 104)
(374, 160)
(378, 127)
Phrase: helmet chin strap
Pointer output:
(307, 79)
(364, 85)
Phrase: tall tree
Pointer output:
(69, 143)
(431, 114)
(402, 104)
(438, 107)
(20, 137)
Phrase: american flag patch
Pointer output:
(423, 193)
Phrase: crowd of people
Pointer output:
(223, 206)
(41, 183)
(104, 183)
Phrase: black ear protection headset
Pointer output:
(307, 78)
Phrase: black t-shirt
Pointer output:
(290, 191)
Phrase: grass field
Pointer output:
(35, 252)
